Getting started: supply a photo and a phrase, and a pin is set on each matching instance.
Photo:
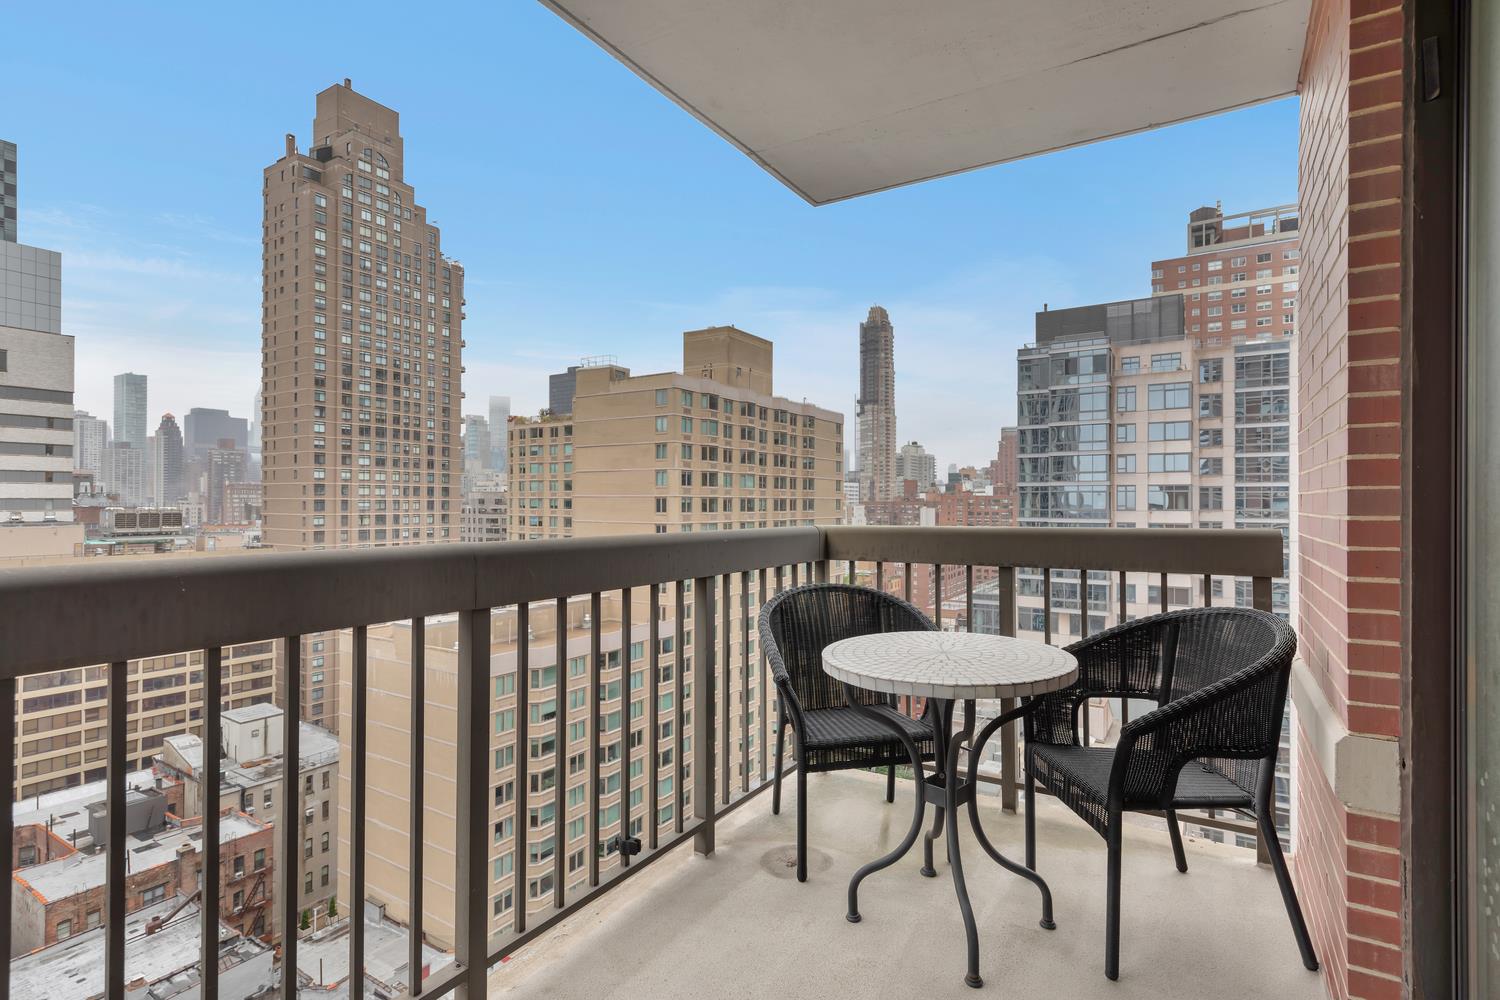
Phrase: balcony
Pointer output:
(440, 697)
(741, 925)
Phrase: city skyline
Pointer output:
(592, 242)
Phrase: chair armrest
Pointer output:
(1225, 719)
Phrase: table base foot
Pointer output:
(1047, 924)
(974, 981)
(853, 918)
(929, 872)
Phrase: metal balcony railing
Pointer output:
(80, 615)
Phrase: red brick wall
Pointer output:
(1349, 410)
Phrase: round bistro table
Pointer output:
(946, 668)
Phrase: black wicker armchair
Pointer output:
(1219, 677)
(795, 627)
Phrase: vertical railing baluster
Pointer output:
(522, 867)
(745, 681)
(725, 663)
(213, 742)
(1083, 633)
(879, 575)
(1047, 605)
(1260, 599)
(679, 711)
(1005, 598)
(626, 642)
(290, 834)
(794, 574)
(703, 713)
(850, 578)
(472, 833)
(906, 585)
(359, 734)
(969, 597)
(8, 827)
(115, 871)
(1208, 590)
(764, 683)
(1163, 589)
(1123, 612)
(560, 759)
(937, 595)
(653, 720)
(596, 745)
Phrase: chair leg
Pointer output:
(1030, 817)
(801, 822)
(890, 783)
(776, 786)
(1175, 830)
(1112, 902)
(1288, 891)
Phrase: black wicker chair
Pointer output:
(795, 627)
(1219, 677)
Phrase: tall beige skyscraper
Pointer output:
(361, 336)
(877, 407)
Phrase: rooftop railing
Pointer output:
(703, 590)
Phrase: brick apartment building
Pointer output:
(64, 896)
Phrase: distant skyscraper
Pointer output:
(130, 410)
(476, 444)
(255, 424)
(90, 435)
(227, 463)
(560, 390)
(407, 443)
(877, 407)
(167, 484)
(499, 419)
(203, 429)
(125, 472)
(914, 463)
(7, 192)
(36, 375)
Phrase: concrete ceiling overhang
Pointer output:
(839, 98)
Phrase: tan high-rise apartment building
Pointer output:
(361, 335)
(877, 408)
(61, 716)
(708, 449)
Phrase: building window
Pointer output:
(1124, 464)
(1169, 396)
(1125, 399)
(1174, 430)
(1124, 498)
(1211, 404)
(1125, 433)
(1210, 498)
(1130, 365)
(1166, 362)
(1176, 461)
(1167, 497)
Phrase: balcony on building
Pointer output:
(835, 101)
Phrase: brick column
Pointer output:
(1348, 864)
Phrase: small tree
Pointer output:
(333, 908)
(306, 919)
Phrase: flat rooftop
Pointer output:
(323, 958)
(739, 924)
(75, 967)
(66, 811)
(80, 872)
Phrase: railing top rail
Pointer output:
(97, 611)
(59, 617)
(1221, 552)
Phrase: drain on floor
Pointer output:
(782, 861)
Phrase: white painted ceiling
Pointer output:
(838, 98)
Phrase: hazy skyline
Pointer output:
(592, 215)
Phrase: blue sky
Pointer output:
(593, 216)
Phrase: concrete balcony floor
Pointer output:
(739, 924)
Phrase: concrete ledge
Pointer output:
(1365, 771)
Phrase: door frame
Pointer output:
(1434, 785)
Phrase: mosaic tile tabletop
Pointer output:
(950, 665)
